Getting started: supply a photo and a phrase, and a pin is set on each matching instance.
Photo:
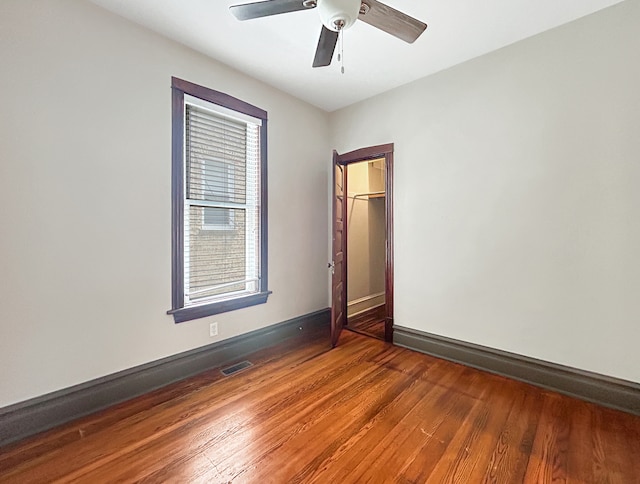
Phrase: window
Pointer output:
(219, 203)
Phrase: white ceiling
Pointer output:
(279, 49)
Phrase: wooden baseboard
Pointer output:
(42, 413)
(593, 387)
(365, 311)
(358, 306)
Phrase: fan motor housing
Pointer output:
(337, 15)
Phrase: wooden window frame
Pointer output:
(178, 309)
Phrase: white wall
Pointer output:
(517, 194)
(85, 185)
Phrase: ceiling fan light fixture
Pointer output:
(338, 15)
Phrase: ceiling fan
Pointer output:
(338, 15)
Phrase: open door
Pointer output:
(339, 248)
(337, 265)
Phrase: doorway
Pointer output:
(362, 249)
(366, 228)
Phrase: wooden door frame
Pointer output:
(368, 154)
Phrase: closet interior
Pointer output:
(366, 259)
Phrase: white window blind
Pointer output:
(222, 212)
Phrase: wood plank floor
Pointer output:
(366, 411)
(370, 322)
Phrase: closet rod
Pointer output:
(366, 194)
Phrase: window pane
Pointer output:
(215, 259)
(222, 243)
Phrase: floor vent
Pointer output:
(236, 368)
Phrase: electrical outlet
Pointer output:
(213, 329)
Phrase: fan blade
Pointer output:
(326, 46)
(270, 7)
(392, 21)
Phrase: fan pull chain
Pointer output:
(341, 54)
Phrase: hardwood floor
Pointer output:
(366, 411)
(370, 322)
